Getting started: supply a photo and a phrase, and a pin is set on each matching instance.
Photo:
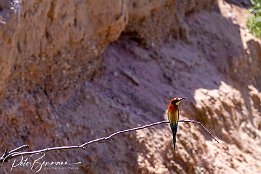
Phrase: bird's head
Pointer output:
(176, 101)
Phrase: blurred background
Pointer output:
(76, 70)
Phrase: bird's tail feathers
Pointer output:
(174, 128)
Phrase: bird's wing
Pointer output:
(167, 113)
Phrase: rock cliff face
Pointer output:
(53, 44)
(72, 71)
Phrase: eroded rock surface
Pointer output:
(73, 71)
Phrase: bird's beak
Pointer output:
(182, 98)
(179, 100)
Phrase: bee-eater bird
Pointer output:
(173, 116)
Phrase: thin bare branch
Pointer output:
(19, 148)
(14, 153)
(123, 131)
(197, 122)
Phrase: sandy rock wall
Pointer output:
(64, 81)
(55, 43)
(166, 15)
(217, 66)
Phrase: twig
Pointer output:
(197, 122)
(123, 131)
(19, 148)
(14, 153)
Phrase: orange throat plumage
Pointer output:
(172, 107)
